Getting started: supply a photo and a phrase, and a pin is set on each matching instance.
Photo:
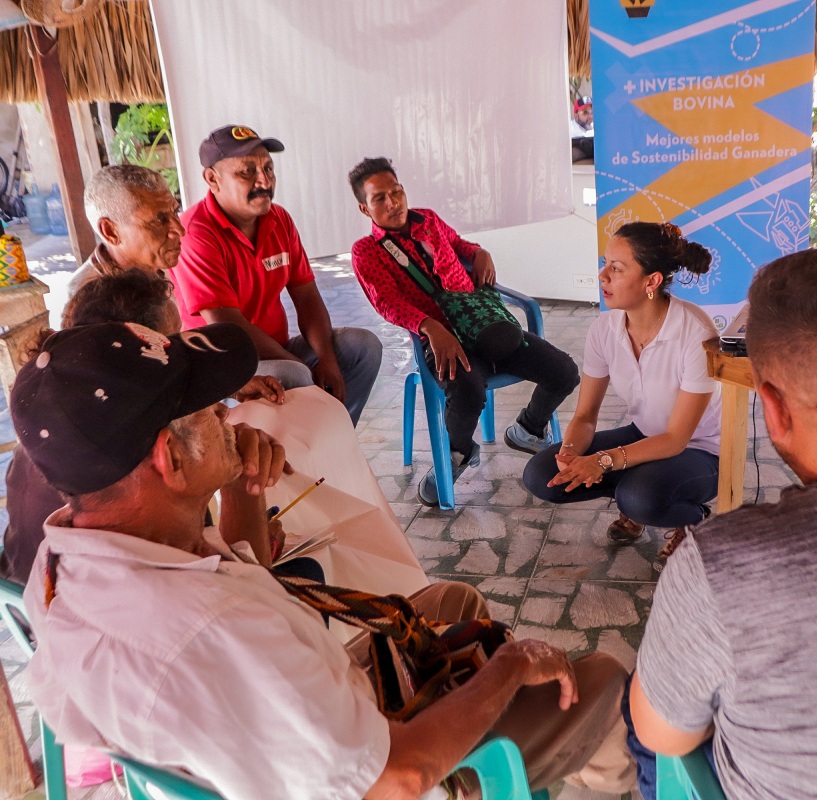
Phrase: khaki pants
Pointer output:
(586, 744)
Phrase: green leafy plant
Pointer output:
(139, 131)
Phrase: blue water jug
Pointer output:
(56, 212)
(36, 211)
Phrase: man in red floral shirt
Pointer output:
(436, 248)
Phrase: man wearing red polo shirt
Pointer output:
(241, 251)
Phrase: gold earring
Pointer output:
(651, 295)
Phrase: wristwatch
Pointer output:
(605, 460)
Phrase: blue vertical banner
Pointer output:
(703, 118)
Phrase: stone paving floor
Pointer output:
(548, 571)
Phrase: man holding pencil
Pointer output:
(180, 649)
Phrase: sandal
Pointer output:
(624, 530)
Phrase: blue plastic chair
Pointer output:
(688, 777)
(498, 765)
(11, 600)
(435, 402)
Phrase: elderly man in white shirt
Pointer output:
(181, 649)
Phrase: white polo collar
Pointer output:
(64, 539)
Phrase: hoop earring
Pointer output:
(651, 295)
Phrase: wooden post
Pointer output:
(735, 374)
(54, 99)
(734, 428)
(16, 770)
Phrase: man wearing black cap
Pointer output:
(241, 251)
(161, 640)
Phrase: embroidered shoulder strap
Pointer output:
(51, 563)
(428, 283)
(391, 615)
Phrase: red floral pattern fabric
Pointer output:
(390, 290)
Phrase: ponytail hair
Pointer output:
(660, 247)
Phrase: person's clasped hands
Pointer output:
(576, 470)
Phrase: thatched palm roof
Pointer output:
(578, 38)
(111, 55)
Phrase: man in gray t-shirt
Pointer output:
(730, 649)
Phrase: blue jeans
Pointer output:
(359, 353)
(668, 493)
(645, 759)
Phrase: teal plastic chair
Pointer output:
(498, 765)
(501, 771)
(435, 401)
(14, 614)
(151, 783)
(688, 777)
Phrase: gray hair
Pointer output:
(189, 437)
(193, 448)
(110, 192)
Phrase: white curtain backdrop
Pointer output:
(466, 96)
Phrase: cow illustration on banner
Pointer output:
(703, 118)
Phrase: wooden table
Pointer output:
(22, 316)
(735, 374)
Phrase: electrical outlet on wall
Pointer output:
(585, 281)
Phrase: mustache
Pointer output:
(260, 193)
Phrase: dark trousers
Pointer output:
(646, 772)
(553, 371)
(669, 493)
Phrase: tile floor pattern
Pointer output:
(548, 571)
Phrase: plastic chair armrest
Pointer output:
(533, 313)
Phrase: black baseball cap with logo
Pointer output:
(89, 407)
(233, 141)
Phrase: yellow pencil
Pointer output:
(300, 497)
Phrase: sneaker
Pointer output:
(427, 490)
(517, 438)
(675, 536)
(624, 530)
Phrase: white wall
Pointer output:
(551, 258)
(466, 96)
(40, 151)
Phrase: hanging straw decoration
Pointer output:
(109, 55)
(59, 13)
(578, 38)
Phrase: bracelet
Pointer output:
(565, 446)
(624, 455)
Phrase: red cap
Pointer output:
(582, 102)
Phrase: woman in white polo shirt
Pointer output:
(662, 468)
